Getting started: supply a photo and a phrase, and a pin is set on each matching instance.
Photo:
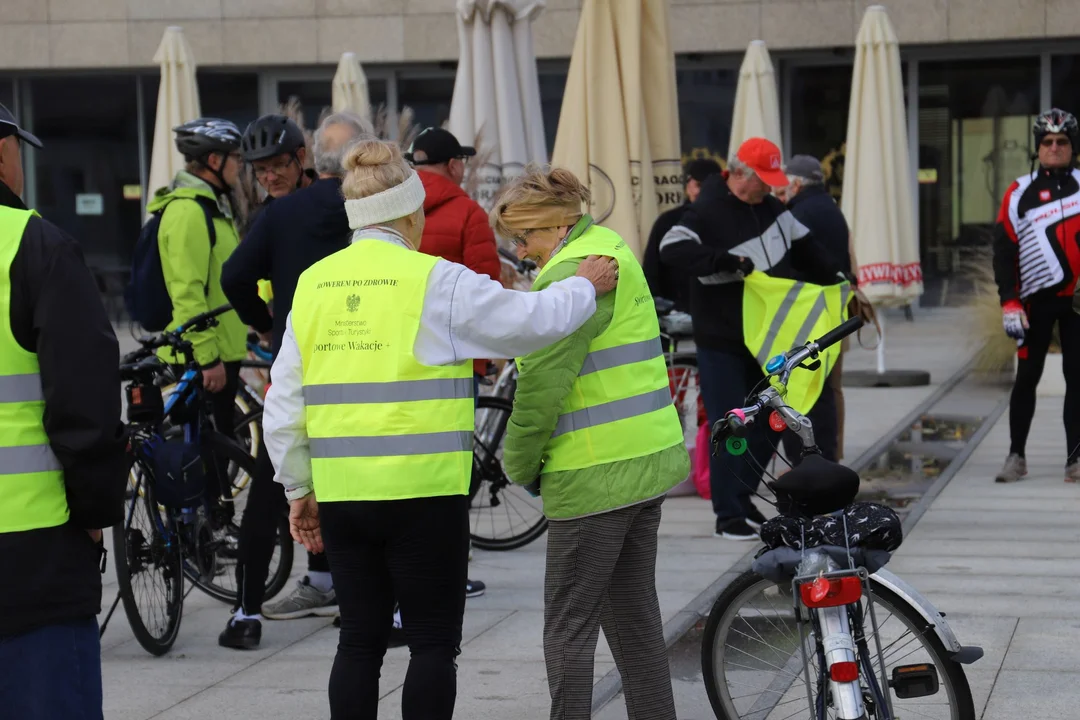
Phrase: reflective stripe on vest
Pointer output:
(780, 314)
(32, 493)
(382, 426)
(620, 405)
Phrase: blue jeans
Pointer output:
(726, 379)
(52, 673)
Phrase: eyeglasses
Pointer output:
(277, 168)
(1051, 142)
(521, 240)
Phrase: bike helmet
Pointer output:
(271, 135)
(1056, 121)
(203, 136)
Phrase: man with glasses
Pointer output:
(276, 149)
(1036, 266)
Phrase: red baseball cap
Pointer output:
(763, 157)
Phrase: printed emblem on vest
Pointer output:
(352, 303)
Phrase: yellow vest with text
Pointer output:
(32, 494)
(619, 406)
(780, 314)
(382, 425)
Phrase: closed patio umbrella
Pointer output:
(349, 90)
(496, 102)
(877, 200)
(757, 109)
(177, 103)
(619, 123)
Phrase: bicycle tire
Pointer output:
(963, 705)
(488, 542)
(232, 451)
(160, 550)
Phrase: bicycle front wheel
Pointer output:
(754, 669)
(147, 559)
(503, 516)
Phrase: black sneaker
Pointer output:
(474, 588)
(754, 517)
(241, 634)
(737, 529)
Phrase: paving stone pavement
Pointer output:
(501, 669)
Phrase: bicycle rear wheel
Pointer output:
(211, 561)
(147, 559)
(503, 516)
(753, 668)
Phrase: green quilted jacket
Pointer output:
(543, 384)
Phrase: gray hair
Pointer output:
(330, 156)
(804, 181)
(736, 166)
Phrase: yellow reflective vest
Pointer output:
(32, 494)
(619, 406)
(382, 425)
(780, 314)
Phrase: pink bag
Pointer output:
(701, 462)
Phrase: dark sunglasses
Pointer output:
(1051, 142)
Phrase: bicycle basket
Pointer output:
(144, 402)
(179, 474)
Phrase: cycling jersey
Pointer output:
(1037, 238)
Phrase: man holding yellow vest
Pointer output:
(594, 431)
(370, 422)
(62, 459)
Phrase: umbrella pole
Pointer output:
(881, 377)
(881, 345)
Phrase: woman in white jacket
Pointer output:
(369, 425)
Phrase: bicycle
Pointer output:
(174, 526)
(808, 608)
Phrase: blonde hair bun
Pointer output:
(372, 166)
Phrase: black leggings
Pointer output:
(1042, 314)
(415, 551)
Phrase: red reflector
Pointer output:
(776, 422)
(844, 672)
(825, 592)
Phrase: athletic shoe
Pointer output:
(305, 600)
(1072, 472)
(754, 517)
(474, 588)
(241, 634)
(737, 529)
(1015, 468)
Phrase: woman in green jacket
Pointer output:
(595, 433)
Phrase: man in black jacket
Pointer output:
(665, 281)
(735, 226)
(291, 234)
(62, 458)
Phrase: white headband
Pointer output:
(397, 202)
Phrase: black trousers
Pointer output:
(223, 412)
(1043, 313)
(823, 416)
(412, 551)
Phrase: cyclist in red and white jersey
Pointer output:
(1036, 266)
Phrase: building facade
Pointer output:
(80, 75)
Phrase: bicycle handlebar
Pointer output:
(174, 338)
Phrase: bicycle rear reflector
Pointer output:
(914, 681)
(844, 672)
(831, 592)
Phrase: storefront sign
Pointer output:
(89, 204)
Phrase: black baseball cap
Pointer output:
(437, 146)
(9, 126)
(701, 168)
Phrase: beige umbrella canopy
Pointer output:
(757, 108)
(350, 87)
(177, 103)
(619, 124)
(496, 104)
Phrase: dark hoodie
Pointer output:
(290, 235)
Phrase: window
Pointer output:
(230, 96)
(316, 96)
(974, 140)
(1065, 82)
(429, 99)
(91, 151)
(706, 103)
(552, 87)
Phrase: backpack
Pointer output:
(146, 296)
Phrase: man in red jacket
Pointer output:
(455, 227)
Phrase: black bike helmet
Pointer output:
(1056, 121)
(199, 138)
(271, 135)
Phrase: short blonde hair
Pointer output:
(372, 166)
(537, 188)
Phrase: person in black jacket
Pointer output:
(665, 281)
(810, 202)
(275, 148)
(735, 226)
(291, 234)
(63, 464)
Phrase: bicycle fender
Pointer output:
(925, 608)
